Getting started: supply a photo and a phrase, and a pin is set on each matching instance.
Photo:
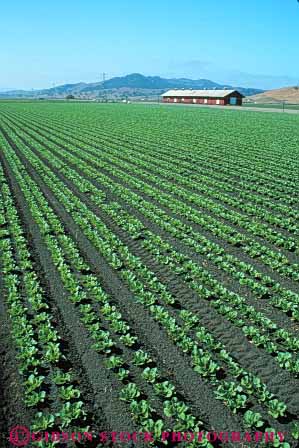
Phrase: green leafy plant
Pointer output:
(276, 442)
(67, 393)
(154, 427)
(232, 395)
(140, 358)
(34, 398)
(150, 374)
(123, 373)
(33, 382)
(253, 419)
(129, 392)
(70, 412)
(166, 389)
(60, 377)
(42, 421)
(128, 339)
(141, 410)
(276, 408)
(295, 431)
(114, 361)
(52, 352)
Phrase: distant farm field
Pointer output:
(150, 271)
(280, 105)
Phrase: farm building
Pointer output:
(212, 97)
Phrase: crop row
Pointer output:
(254, 249)
(159, 170)
(40, 358)
(166, 167)
(150, 129)
(154, 136)
(118, 338)
(96, 234)
(261, 285)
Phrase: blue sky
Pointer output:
(253, 43)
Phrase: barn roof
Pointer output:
(200, 93)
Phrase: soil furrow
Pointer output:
(259, 362)
(188, 383)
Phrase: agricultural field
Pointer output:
(150, 271)
(277, 105)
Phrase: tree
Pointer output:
(70, 97)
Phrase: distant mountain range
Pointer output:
(133, 85)
(7, 89)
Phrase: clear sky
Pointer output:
(248, 43)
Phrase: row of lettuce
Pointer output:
(238, 389)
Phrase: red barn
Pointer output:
(210, 97)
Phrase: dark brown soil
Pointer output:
(99, 385)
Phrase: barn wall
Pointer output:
(237, 96)
(208, 101)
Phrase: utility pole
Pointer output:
(54, 89)
(103, 80)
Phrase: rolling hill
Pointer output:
(287, 94)
(133, 85)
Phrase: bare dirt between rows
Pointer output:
(288, 283)
(251, 355)
(256, 361)
(277, 316)
(189, 385)
(12, 410)
(212, 214)
(179, 157)
(109, 413)
(133, 312)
